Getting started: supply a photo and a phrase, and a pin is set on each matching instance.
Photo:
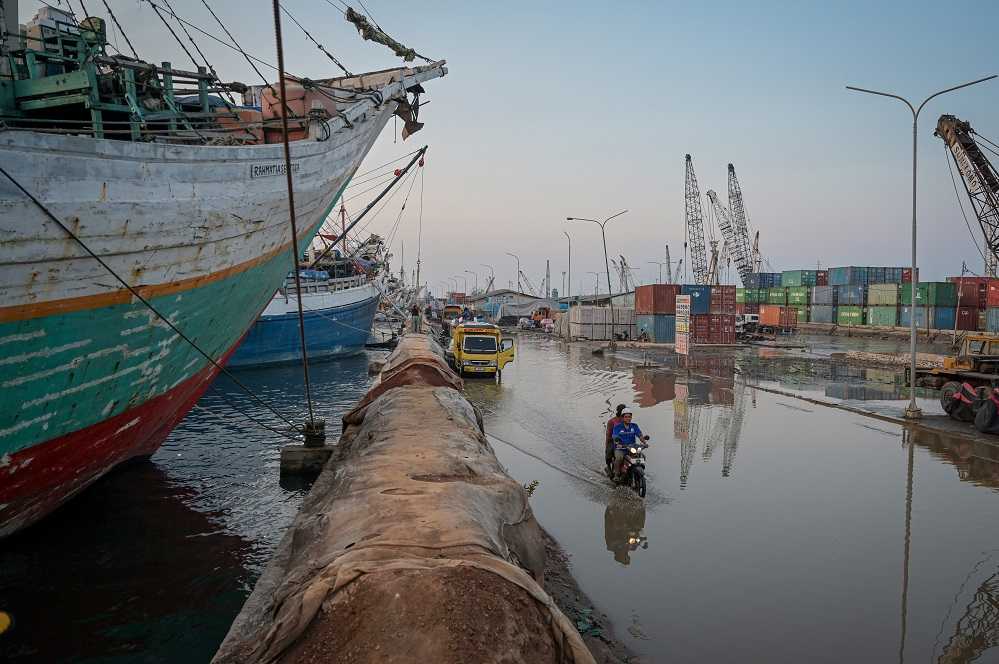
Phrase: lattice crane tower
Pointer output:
(694, 217)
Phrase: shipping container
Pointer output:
(882, 316)
(933, 318)
(824, 295)
(751, 308)
(852, 295)
(777, 296)
(849, 315)
(882, 295)
(798, 296)
(656, 299)
(848, 276)
(700, 298)
(972, 292)
(967, 318)
(822, 277)
(723, 299)
(802, 310)
(740, 295)
(822, 313)
(992, 320)
(907, 275)
(931, 294)
(700, 328)
(982, 320)
(894, 275)
(763, 280)
(798, 278)
(660, 328)
(778, 316)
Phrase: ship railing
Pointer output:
(310, 286)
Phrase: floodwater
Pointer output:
(153, 562)
(775, 530)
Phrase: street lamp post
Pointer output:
(569, 239)
(464, 279)
(517, 258)
(492, 273)
(476, 274)
(912, 411)
(603, 235)
(660, 264)
(596, 283)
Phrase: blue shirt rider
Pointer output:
(624, 435)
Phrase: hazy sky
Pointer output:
(586, 108)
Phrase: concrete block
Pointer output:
(302, 460)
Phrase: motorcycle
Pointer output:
(633, 468)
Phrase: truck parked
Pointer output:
(479, 349)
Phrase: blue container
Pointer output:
(943, 318)
(992, 319)
(700, 298)
(823, 313)
(763, 280)
(661, 328)
(893, 275)
(905, 316)
(825, 295)
(847, 276)
(851, 295)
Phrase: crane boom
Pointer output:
(980, 180)
(694, 217)
(739, 243)
(669, 267)
(724, 224)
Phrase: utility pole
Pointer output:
(603, 234)
(568, 294)
(517, 258)
(548, 279)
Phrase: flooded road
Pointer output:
(774, 529)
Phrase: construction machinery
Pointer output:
(976, 363)
(694, 219)
(669, 267)
(739, 242)
(981, 181)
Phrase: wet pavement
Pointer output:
(775, 529)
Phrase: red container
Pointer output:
(822, 277)
(723, 299)
(700, 328)
(751, 308)
(992, 294)
(907, 275)
(656, 299)
(772, 315)
(972, 291)
(967, 318)
(740, 308)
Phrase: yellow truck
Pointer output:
(479, 349)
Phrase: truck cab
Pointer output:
(479, 349)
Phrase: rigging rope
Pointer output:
(291, 207)
(176, 38)
(120, 29)
(318, 45)
(197, 48)
(137, 295)
(953, 180)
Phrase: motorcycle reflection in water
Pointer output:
(624, 523)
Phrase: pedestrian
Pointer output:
(609, 439)
(415, 313)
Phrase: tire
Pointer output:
(947, 393)
(499, 375)
(640, 485)
(983, 392)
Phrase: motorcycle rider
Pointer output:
(609, 439)
(625, 433)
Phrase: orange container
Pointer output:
(772, 315)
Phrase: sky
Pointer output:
(559, 109)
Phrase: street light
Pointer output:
(912, 411)
(476, 289)
(596, 283)
(492, 273)
(518, 268)
(566, 234)
(660, 264)
(464, 279)
(603, 234)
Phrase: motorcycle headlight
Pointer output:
(633, 450)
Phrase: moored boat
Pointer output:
(190, 211)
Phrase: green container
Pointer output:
(798, 296)
(797, 278)
(740, 295)
(850, 316)
(931, 294)
(882, 295)
(756, 296)
(777, 296)
(803, 316)
(882, 316)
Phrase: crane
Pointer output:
(694, 218)
(740, 243)
(724, 220)
(529, 284)
(669, 267)
(981, 181)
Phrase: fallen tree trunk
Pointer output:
(413, 545)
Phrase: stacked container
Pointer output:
(851, 295)
(656, 299)
(936, 303)
(777, 296)
(763, 280)
(882, 304)
(723, 300)
(798, 278)
(700, 298)
(660, 328)
(778, 317)
(824, 300)
(849, 315)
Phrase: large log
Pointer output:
(413, 546)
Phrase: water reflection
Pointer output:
(977, 628)
(624, 526)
